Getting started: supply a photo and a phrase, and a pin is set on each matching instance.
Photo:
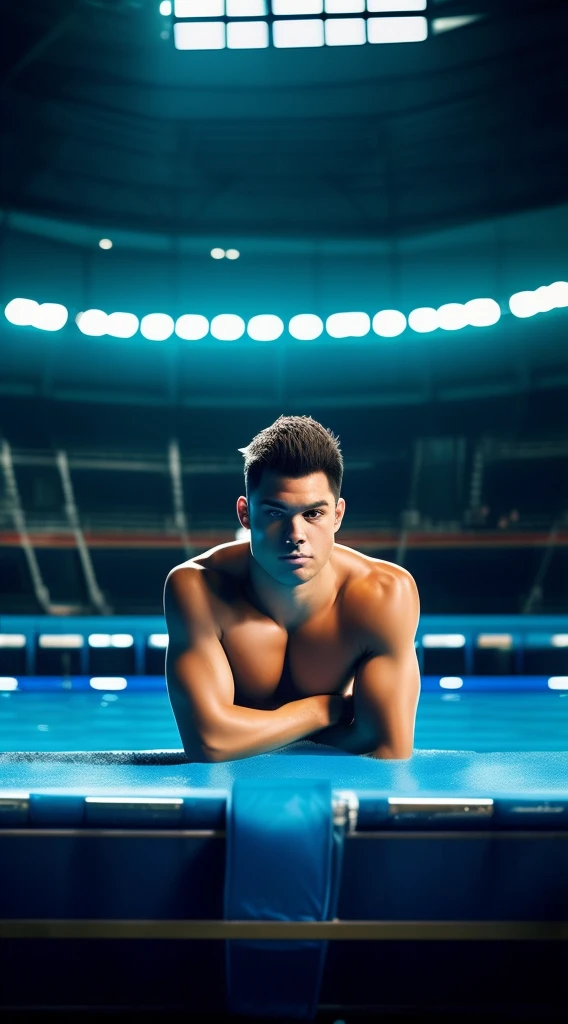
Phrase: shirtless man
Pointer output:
(291, 636)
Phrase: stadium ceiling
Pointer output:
(105, 123)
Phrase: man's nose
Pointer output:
(296, 530)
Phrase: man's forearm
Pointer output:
(244, 732)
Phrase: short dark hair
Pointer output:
(294, 446)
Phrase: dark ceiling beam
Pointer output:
(492, 8)
(42, 44)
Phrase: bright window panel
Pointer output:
(345, 32)
(344, 6)
(297, 7)
(384, 6)
(298, 33)
(199, 35)
(397, 30)
(247, 8)
(247, 35)
(199, 8)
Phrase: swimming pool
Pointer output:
(143, 720)
(439, 883)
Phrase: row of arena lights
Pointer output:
(291, 23)
(217, 254)
(387, 323)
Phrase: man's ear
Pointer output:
(243, 512)
(339, 513)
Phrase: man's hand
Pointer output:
(336, 709)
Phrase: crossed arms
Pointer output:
(385, 691)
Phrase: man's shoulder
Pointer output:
(373, 578)
(379, 596)
(214, 573)
(229, 559)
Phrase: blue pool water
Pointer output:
(142, 721)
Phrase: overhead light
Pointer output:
(218, 254)
(292, 33)
(199, 8)
(92, 322)
(105, 243)
(390, 6)
(45, 316)
(21, 312)
(246, 35)
(344, 6)
(246, 8)
(348, 325)
(305, 326)
(232, 254)
(389, 323)
(166, 8)
(192, 326)
(345, 32)
(265, 327)
(156, 326)
(423, 320)
(121, 325)
(297, 6)
(227, 327)
(199, 35)
(397, 30)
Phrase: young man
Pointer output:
(291, 635)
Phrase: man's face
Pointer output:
(293, 522)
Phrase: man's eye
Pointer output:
(274, 512)
(315, 512)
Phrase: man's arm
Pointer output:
(387, 681)
(202, 691)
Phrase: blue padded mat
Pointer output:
(427, 773)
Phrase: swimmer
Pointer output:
(289, 635)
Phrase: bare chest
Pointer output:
(272, 666)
